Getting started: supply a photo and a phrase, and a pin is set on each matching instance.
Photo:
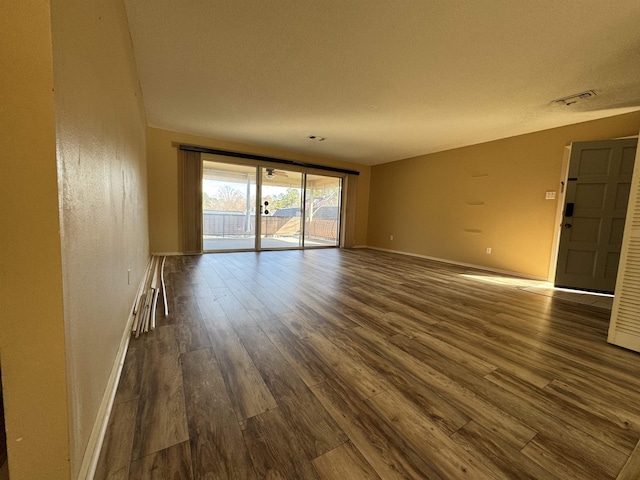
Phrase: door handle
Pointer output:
(568, 210)
(567, 225)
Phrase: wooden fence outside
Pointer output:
(226, 224)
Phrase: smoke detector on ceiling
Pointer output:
(577, 97)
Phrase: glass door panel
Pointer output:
(281, 209)
(322, 217)
(228, 206)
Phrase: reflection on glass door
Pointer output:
(281, 209)
(322, 212)
(228, 206)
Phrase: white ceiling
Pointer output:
(382, 80)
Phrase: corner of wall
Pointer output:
(32, 345)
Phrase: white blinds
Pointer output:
(624, 329)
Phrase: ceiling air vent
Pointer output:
(577, 97)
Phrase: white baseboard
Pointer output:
(166, 254)
(461, 264)
(94, 446)
(92, 452)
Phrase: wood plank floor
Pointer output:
(355, 364)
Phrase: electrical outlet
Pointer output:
(551, 195)
(390, 237)
(488, 250)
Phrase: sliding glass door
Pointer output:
(228, 206)
(264, 208)
(322, 212)
(281, 209)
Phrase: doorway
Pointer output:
(593, 218)
(256, 207)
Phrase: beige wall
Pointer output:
(101, 153)
(32, 349)
(454, 204)
(74, 221)
(164, 207)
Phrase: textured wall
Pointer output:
(454, 204)
(164, 203)
(101, 152)
(32, 348)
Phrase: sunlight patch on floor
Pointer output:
(508, 281)
(540, 287)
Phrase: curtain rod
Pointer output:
(249, 156)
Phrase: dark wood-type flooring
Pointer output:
(355, 364)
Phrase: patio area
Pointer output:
(233, 231)
(212, 243)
